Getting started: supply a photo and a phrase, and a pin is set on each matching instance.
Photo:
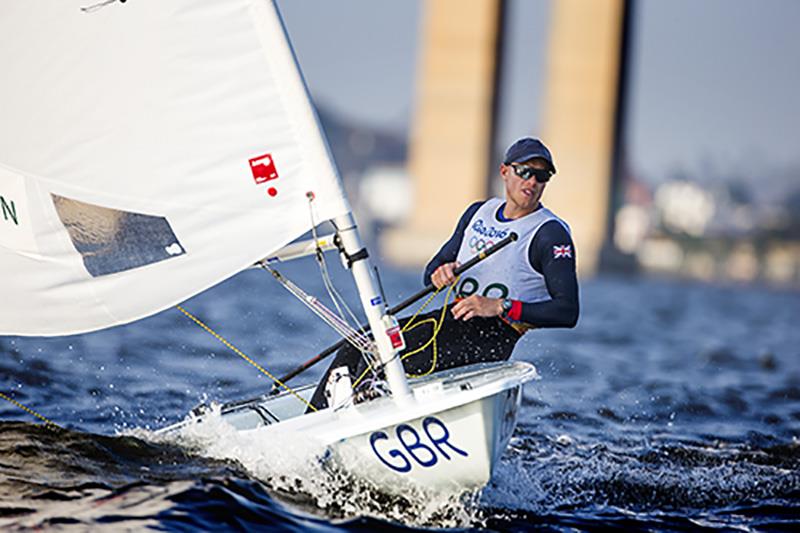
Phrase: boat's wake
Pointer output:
(71, 478)
(304, 473)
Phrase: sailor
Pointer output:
(529, 284)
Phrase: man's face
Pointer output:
(523, 195)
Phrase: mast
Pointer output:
(374, 307)
(372, 302)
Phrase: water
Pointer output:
(671, 406)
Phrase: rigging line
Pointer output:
(326, 281)
(424, 305)
(434, 354)
(437, 327)
(452, 286)
(47, 422)
(367, 354)
(337, 298)
(332, 289)
(242, 355)
(319, 254)
(327, 316)
(354, 337)
(323, 264)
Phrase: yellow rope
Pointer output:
(423, 306)
(437, 326)
(47, 422)
(242, 355)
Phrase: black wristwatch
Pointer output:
(507, 305)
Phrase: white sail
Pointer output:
(148, 150)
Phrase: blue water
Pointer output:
(672, 405)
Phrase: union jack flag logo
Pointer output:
(562, 250)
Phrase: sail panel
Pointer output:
(148, 150)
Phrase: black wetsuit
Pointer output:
(479, 339)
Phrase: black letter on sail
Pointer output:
(9, 209)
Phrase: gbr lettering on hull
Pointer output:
(425, 452)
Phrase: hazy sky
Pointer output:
(358, 56)
(714, 83)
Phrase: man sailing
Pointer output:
(531, 284)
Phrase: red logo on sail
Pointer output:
(263, 168)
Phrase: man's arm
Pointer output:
(449, 251)
(552, 254)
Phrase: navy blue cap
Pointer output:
(526, 149)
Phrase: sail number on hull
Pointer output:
(422, 451)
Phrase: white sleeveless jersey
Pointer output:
(508, 273)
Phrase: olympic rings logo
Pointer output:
(478, 244)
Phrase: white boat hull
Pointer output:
(453, 450)
(447, 438)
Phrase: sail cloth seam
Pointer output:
(47, 422)
(243, 355)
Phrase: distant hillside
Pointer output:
(357, 148)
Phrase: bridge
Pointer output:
(453, 125)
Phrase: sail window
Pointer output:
(111, 241)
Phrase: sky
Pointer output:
(359, 57)
(716, 84)
(713, 85)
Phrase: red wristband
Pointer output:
(516, 310)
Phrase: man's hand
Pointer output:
(476, 305)
(444, 275)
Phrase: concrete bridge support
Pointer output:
(454, 120)
(581, 115)
(452, 126)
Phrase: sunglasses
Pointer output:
(542, 175)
